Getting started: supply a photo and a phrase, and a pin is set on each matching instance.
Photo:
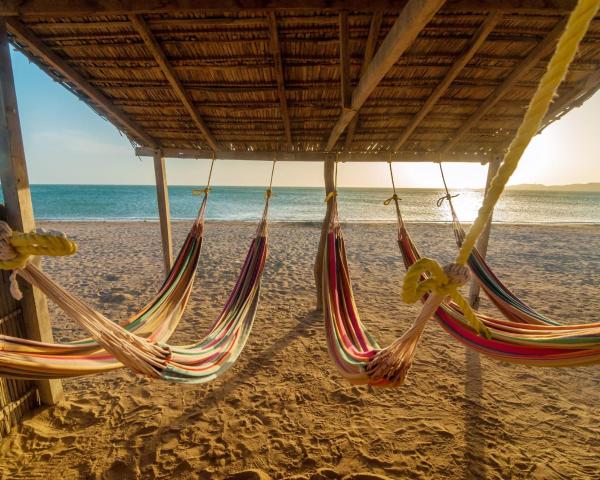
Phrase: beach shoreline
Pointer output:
(283, 411)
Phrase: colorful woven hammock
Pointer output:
(146, 353)
(157, 320)
(512, 341)
(357, 355)
(353, 349)
(511, 306)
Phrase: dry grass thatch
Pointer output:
(227, 64)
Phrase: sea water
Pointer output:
(292, 204)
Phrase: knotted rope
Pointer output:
(393, 362)
(16, 249)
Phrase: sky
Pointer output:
(68, 143)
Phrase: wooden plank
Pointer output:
(345, 87)
(78, 8)
(538, 53)
(164, 215)
(19, 209)
(112, 112)
(484, 239)
(474, 45)
(279, 75)
(413, 18)
(384, 156)
(152, 44)
(374, 29)
(328, 173)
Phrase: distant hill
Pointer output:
(574, 187)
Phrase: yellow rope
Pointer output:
(414, 287)
(24, 245)
(331, 195)
(557, 69)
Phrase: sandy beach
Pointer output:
(283, 411)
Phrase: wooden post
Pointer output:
(162, 197)
(329, 172)
(482, 243)
(19, 209)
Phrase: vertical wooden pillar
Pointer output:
(329, 172)
(19, 209)
(164, 216)
(482, 243)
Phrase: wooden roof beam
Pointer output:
(152, 44)
(279, 75)
(474, 45)
(71, 8)
(374, 29)
(415, 15)
(538, 53)
(418, 157)
(48, 57)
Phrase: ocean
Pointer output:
(291, 204)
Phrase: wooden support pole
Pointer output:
(484, 239)
(164, 216)
(329, 173)
(19, 209)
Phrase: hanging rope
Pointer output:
(448, 196)
(269, 191)
(576, 28)
(443, 285)
(333, 194)
(426, 277)
(17, 248)
(394, 198)
(204, 191)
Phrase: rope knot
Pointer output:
(448, 197)
(331, 195)
(426, 276)
(268, 193)
(201, 191)
(393, 198)
(17, 247)
(457, 274)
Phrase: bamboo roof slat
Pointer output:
(257, 75)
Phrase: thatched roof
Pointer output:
(263, 78)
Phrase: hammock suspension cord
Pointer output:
(444, 282)
(356, 354)
(149, 355)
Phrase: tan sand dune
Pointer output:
(283, 411)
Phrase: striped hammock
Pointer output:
(23, 358)
(516, 341)
(511, 306)
(139, 344)
(358, 356)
